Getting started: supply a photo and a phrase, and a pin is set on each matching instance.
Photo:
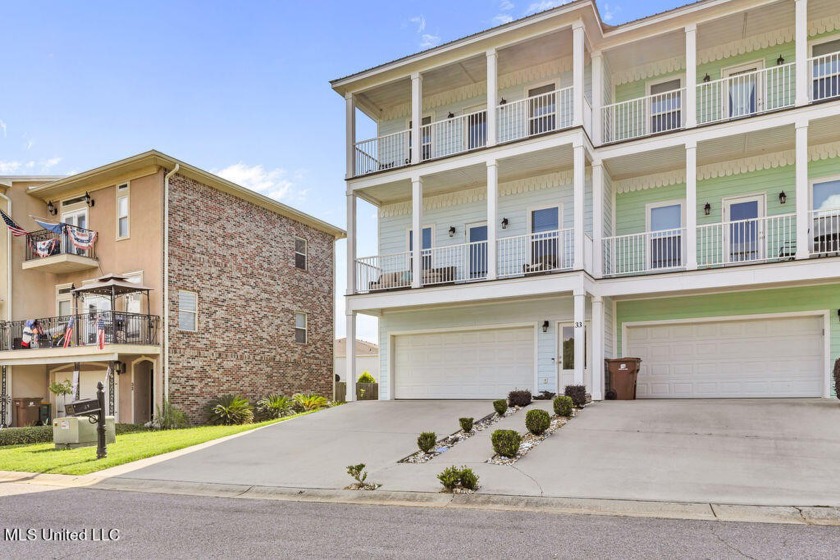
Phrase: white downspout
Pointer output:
(166, 279)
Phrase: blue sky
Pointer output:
(239, 88)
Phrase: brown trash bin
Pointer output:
(623, 372)
(26, 411)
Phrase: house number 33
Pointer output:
(578, 325)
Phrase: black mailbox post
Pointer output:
(94, 409)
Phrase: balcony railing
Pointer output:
(118, 327)
(757, 240)
(643, 116)
(385, 152)
(825, 232)
(71, 240)
(548, 251)
(454, 135)
(640, 253)
(825, 76)
(383, 272)
(455, 263)
(535, 115)
(746, 94)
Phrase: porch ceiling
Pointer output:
(538, 51)
(745, 24)
(639, 53)
(541, 162)
(646, 163)
(751, 144)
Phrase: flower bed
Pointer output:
(530, 441)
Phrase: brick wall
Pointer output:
(240, 259)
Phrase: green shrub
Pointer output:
(453, 477)
(27, 435)
(366, 377)
(357, 472)
(537, 421)
(170, 417)
(310, 401)
(506, 442)
(500, 406)
(563, 406)
(228, 410)
(469, 479)
(466, 424)
(426, 441)
(275, 406)
(519, 397)
(578, 394)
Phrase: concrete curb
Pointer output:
(559, 506)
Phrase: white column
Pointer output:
(417, 232)
(580, 336)
(579, 188)
(597, 348)
(351, 243)
(578, 62)
(350, 373)
(803, 220)
(691, 205)
(597, 97)
(492, 217)
(492, 96)
(802, 67)
(416, 116)
(691, 75)
(350, 131)
(598, 217)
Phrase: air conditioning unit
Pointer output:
(77, 431)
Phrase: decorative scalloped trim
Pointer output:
(824, 25)
(649, 70)
(750, 44)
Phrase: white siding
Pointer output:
(609, 328)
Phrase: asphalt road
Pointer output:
(169, 526)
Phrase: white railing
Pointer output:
(770, 238)
(383, 152)
(638, 253)
(643, 116)
(535, 252)
(455, 263)
(746, 94)
(454, 135)
(825, 231)
(383, 272)
(825, 76)
(534, 115)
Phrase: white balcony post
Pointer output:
(802, 67)
(350, 131)
(417, 232)
(351, 243)
(691, 75)
(597, 97)
(598, 217)
(492, 217)
(492, 96)
(350, 373)
(579, 188)
(597, 348)
(580, 335)
(578, 62)
(691, 205)
(416, 116)
(803, 220)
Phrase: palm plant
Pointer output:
(228, 410)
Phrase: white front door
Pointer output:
(477, 239)
(744, 90)
(744, 229)
(566, 354)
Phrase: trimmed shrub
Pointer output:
(500, 406)
(519, 397)
(837, 378)
(27, 435)
(506, 442)
(306, 402)
(469, 479)
(578, 394)
(537, 421)
(169, 417)
(275, 406)
(466, 424)
(229, 410)
(453, 477)
(366, 377)
(563, 406)
(426, 441)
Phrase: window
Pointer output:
(78, 218)
(665, 106)
(541, 109)
(826, 216)
(426, 249)
(665, 223)
(300, 253)
(826, 69)
(64, 300)
(122, 211)
(425, 139)
(187, 311)
(545, 250)
(300, 328)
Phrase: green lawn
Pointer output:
(44, 458)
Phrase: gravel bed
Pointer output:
(363, 486)
(530, 441)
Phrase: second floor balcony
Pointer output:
(66, 249)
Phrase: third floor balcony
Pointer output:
(65, 248)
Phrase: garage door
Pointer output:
(478, 364)
(781, 357)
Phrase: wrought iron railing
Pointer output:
(117, 327)
(72, 240)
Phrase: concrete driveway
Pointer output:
(762, 452)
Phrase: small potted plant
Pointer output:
(61, 389)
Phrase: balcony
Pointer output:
(516, 256)
(83, 330)
(515, 120)
(70, 250)
(644, 116)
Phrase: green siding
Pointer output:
(631, 207)
(785, 300)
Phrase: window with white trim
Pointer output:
(122, 211)
(300, 253)
(187, 311)
(300, 327)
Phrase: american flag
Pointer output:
(100, 332)
(16, 230)
(68, 331)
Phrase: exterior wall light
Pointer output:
(504, 223)
(545, 326)
(782, 197)
(88, 200)
(503, 101)
(707, 78)
(707, 209)
(451, 231)
(451, 115)
(51, 208)
(780, 60)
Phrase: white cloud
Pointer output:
(3, 126)
(52, 162)
(420, 21)
(427, 41)
(11, 167)
(544, 5)
(609, 12)
(831, 203)
(29, 143)
(274, 183)
(506, 5)
(8, 167)
(502, 19)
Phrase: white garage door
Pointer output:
(479, 364)
(781, 357)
